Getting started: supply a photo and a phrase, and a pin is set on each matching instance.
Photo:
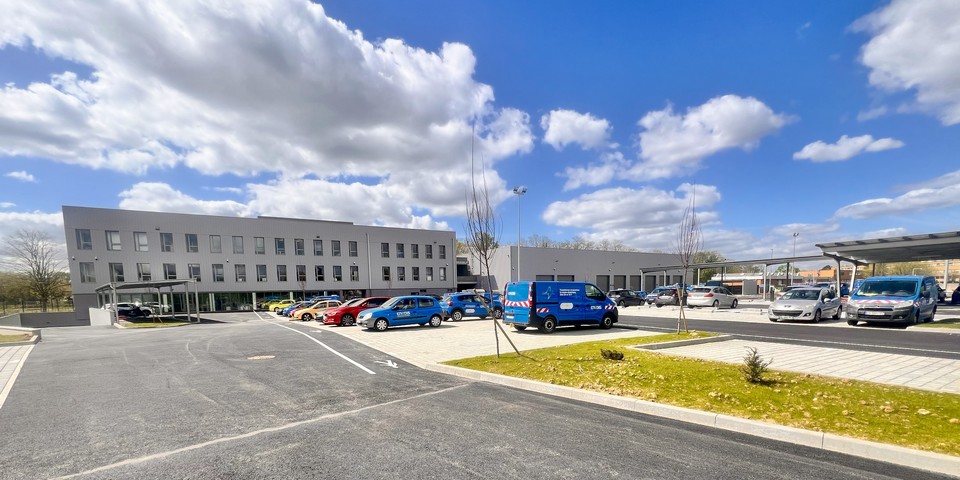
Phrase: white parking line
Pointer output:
(361, 367)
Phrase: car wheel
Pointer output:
(816, 316)
(346, 320)
(381, 324)
(497, 313)
(620, 304)
(549, 325)
(734, 304)
(519, 328)
(659, 306)
(457, 315)
(306, 317)
(852, 323)
(836, 315)
(607, 322)
(435, 321)
(774, 320)
(932, 314)
(716, 304)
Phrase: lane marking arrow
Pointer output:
(389, 363)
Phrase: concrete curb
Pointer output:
(681, 343)
(933, 462)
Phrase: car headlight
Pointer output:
(907, 304)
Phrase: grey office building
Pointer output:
(237, 262)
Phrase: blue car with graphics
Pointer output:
(547, 305)
(405, 310)
(467, 304)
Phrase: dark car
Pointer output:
(955, 298)
(625, 298)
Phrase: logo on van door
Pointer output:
(548, 293)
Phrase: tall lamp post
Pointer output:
(518, 191)
(795, 235)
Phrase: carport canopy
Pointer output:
(114, 287)
(907, 248)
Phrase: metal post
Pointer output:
(518, 191)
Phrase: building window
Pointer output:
(318, 248)
(400, 250)
(337, 273)
(428, 251)
(386, 274)
(318, 273)
(84, 240)
(354, 273)
(414, 250)
(169, 271)
(241, 271)
(281, 246)
(353, 248)
(113, 240)
(416, 274)
(217, 272)
(143, 272)
(443, 251)
(238, 245)
(281, 273)
(193, 245)
(140, 242)
(166, 242)
(87, 274)
(215, 246)
(429, 274)
(261, 273)
(385, 250)
(298, 248)
(116, 272)
(401, 274)
(259, 246)
(301, 273)
(443, 274)
(193, 271)
(336, 248)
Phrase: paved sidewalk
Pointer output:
(10, 360)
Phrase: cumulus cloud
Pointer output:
(595, 174)
(22, 176)
(672, 144)
(911, 202)
(48, 223)
(161, 197)
(915, 47)
(7, 205)
(871, 114)
(566, 127)
(845, 148)
(280, 88)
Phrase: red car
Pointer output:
(347, 313)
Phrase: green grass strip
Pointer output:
(19, 337)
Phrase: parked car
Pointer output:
(126, 310)
(458, 305)
(406, 310)
(315, 310)
(156, 307)
(546, 305)
(289, 309)
(806, 304)
(640, 293)
(347, 313)
(277, 305)
(652, 296)
(625, 298)
(955, 298)
(715, 297)
(904, 299)
(667, 297)
(787, 288)
(941, 294)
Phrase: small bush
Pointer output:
(611, 354)
(754, 366)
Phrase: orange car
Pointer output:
(315, 310)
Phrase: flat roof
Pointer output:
(905, 248)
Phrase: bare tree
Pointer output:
(689, 244)
(539, 241)
(33, 255)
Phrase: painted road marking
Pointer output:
(361, 367)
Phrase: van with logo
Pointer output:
(904, 299)
(548, 305)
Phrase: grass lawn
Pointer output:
(944, 323)
(19, 337)
(895, 415)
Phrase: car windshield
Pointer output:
(353, 302)
(801, 294)
(888, 288)
(390, 303)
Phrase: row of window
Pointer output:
(192, 245)
(145, 274)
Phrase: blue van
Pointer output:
(547, 305)
(406, 310)
(902, 299)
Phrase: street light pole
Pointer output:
(795, 235)
(518, 191)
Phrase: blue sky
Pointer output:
(837, 120)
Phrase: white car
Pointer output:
(715, 297)
(806, 304)
(155, 307)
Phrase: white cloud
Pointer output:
(673, 144)
(7, 205)
(160, 197)
(596, 174)
(281, 87)
(566, 127)
(915, 47)
(48, 223)
(945, 180)
(871, 114)
(233, 190)
(845, 148)
(22, 176)
(914, 201)
(886, 233)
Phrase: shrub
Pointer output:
(611, 354)
(754, 366)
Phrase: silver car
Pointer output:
(806, 304)
(715, 297)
